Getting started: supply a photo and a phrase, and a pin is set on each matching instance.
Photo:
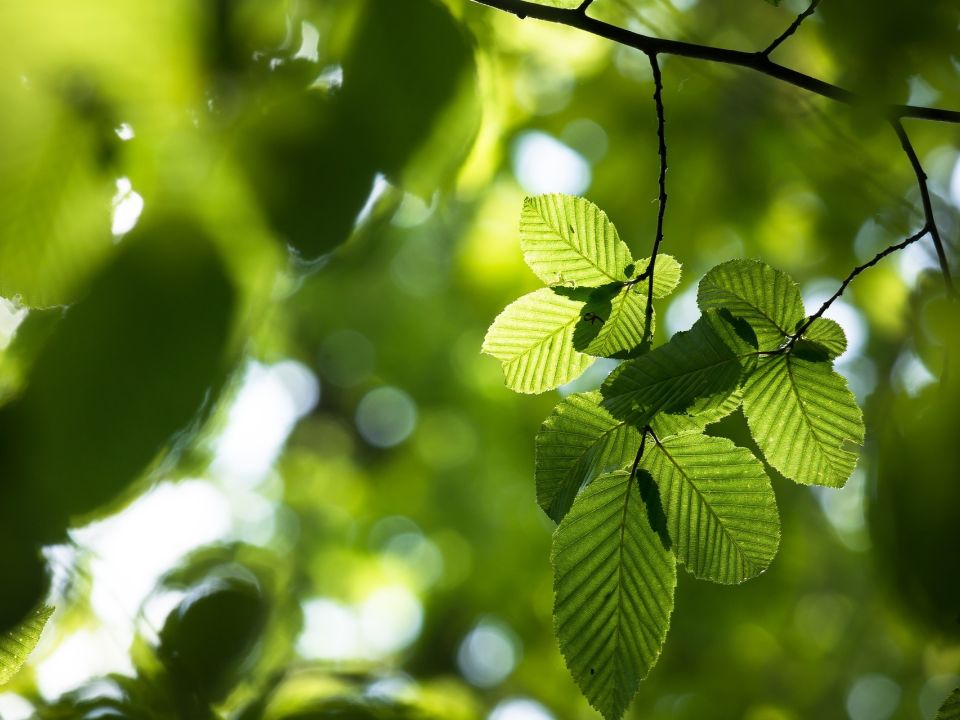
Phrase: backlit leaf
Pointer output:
(17, 644)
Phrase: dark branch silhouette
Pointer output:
(792, 29)
(662, 152)
(757, 61)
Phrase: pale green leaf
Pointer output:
(950, 710)
(767, 299)
(694, 365)
(579, 441)
(828, 336)
(804, 419)
(614, 582)
(533, 338)
(614, 326)
(666, 274)
(17, 644)
(720, 508)
(569, 240)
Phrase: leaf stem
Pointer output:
(792, 29)
(931, 221)
(751, 60)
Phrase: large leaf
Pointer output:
(533, 338)
(579, 441)
(569, 240)
(721, 511)
(694, 365)
(804, 418)
(766, 298)
(950, 710)
(614, 583)
(17, 644)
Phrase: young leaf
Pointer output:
(828, 336)
(579, 441)
(533, 338)
(613, 326)
(567, 239)
(17, 644)
(695, 364)
(721, 511)
(803, 416)
(766, 298)
(950, 710)
(666, 274)
(614, 583)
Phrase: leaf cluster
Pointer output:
(627, 471)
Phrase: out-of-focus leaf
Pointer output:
(614, 583)
(17, 644)
(804, 418)
(950, 710)
(579, 441)
(533, 338)
(721, 511)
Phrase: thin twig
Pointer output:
(752, 60)
(584, 6)
(662, 152)
(856, 271)
(927, 205)
(792, 29)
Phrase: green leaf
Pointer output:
(533, 338)
(614, 583)
(579, 441)
(766, 298)
(614, 326)
(721, 511)
(17, 644)
(694, 365)
(828, 336)
(666, 274)
(804, 418)
(702, 412)
(569, 240)
(950, 710)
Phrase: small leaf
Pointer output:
(695, 364)
(579, 441)
(803, 416)
(614, 326)
(766, 298)
(950, 710)
(721, 511)
(614, 582)
(666, 274)
(17, 644)
(533, 338)
(567, 239)
(827, 335)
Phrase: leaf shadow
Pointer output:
(650, 495)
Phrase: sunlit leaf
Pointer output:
(694, 365)
(579, 441)
(614, 326)
(666, 274)
(767, 299)
(569, 240)
(721, 511)
(828, 335)
(17, 644)
(804, 418)
(614, 583)
(533, 338)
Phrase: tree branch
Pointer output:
(792, 29)
(662, 152)
(856, 271)
(927, 205)
(751, 60)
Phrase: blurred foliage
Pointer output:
(329, 189)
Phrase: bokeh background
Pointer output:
(250, 449)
